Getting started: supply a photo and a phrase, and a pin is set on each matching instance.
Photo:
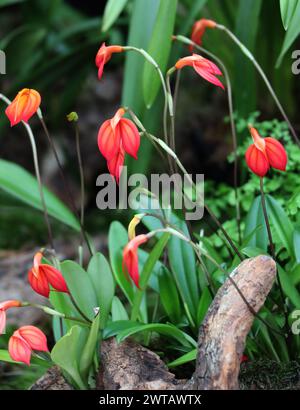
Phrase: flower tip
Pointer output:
(73, 116)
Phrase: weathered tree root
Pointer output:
(222, 336)
(223, 333)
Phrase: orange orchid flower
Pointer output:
(24, 106)
(265, 153)
(104, 55)
(199, 29)
(24, 341)
(41, 276)
(130, 258)
(3, 308)
(116, 137)
(204, 67)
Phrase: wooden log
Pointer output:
(223, 333)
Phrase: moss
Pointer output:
(270, 375)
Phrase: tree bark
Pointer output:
(223, 333)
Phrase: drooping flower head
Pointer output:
(198, 30)
(116, 137)
(265, 153)
(41, 276)
(24, 341)
(24, 106)
(204, 67)
(104, 55)
(3, 308)
(130, 258)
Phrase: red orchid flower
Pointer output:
(116, 137)
(115, 165)
(104, 55)
(24, 106)
(265, 153)
(24, 341)
(130, 258)
(198, 31)
(204, 67)
(41, 276)
(3, 308)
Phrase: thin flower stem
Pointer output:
(186, 40)
(53, 312)
(172, 154)
(272, 248)
(78, 309)
(68, 190)
(80, 166)
(196, 248)
(168, 104)
(37, 173)
(176, 91)
(264, 207)
(211, 213)
(250, 56)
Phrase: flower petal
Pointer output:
(39, 283)
(130, 136)
(19, 350)
(276, 153)
(204, 73)
(34, 337)
(257, 161)
(115, 165)
(108, 140)
(2, 321)
(54, 277)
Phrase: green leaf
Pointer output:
(287, 10)
(117, 240)
(113, 328)
(104, 286)
(163, 329)
(245, 73)
(88, 352)
(22, 185)
(81, 287)
(142, 21)
(183, 265)
(4, 3)
(67, 352)
(5, 357)
(254, 219)
(204, 303)
(281, 223)
(295, 275)
(62, 303)
(289, 288)
(296, 241)
(118, 311)
(188, 357)
(291, 34)
(159, 48)
(251, 251)
(169, 296)
(140, 32)
(112, 11)
(194, 10)
(153, 257)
